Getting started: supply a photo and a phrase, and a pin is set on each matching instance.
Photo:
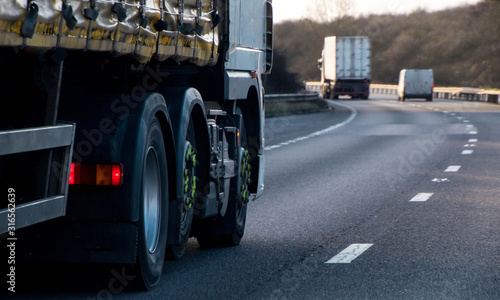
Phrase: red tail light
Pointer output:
(432, 85)
(96, 174)
(72, 174)
(116, 174)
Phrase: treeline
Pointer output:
(461, 45)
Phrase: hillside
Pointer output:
(462, 45)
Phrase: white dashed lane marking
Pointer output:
(453, 169)
(421, 197)
(349, 254)
(473, 140)
(439, 180)
(467, 152)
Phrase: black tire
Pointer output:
(429, 99)
(326, 91)
(153, 220)
(227, 231)
(175, 252)
(335, 97)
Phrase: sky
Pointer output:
(296, 9)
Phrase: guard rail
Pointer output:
(277, 98)
(455, 93)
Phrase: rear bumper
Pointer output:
(351, 88)
(339, 92)
(424, 96)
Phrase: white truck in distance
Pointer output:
(346, 67)
(415, 83)
(129, 126)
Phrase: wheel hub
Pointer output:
(246, 171)
(152, 199)
(189, 177)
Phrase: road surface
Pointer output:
(375, 199)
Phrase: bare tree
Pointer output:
(324, 11)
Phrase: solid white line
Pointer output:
(467, 152)
(353, 115)
(472, 132)
(421, 197)
(273, 147)
(453, 169)
(473, 141)
(349, 254)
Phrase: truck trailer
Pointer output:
(129, 126)
(346, 67)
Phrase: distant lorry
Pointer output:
(415, 83)
(346, 67)
(130, 125)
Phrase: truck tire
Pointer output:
(175, 252)
(228, 230)
(326, 94)
(429, 98)
(153, 217)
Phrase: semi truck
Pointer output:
(345, 66)
(129, 126)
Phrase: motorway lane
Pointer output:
(446, 248)
(329, 189)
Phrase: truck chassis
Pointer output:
(154, 147)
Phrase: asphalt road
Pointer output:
(402, 199)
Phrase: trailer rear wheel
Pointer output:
(153, 208)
